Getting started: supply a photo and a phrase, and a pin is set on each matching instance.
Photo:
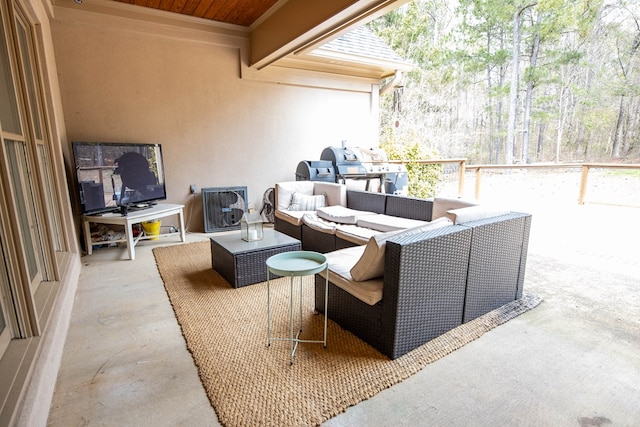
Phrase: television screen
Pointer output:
(113, 176)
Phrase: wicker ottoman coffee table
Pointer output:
(243, 263)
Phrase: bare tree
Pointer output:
(533, 59)
(626, 68)
(514, 84)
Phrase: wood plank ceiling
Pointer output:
(238, 12)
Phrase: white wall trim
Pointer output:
(35, 405)
(193, 29)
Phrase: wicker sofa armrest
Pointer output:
(435, 280)
(424, 287)
(497, 262)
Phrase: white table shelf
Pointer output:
(134, 217)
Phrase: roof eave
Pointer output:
(361, 60)
(345, 65)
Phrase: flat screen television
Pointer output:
(118, 176)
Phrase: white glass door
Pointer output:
(16, 155)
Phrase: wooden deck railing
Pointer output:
(461, 168)
(585, 174)
(584, 178)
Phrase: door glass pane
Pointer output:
(5, 335)
(26, 49)
(52, 205)
(16, 156)
(9, 117)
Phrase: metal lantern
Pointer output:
(251, 227)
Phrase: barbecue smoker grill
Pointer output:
(366, 164)
(309, 170)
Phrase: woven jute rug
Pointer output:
(252, 384)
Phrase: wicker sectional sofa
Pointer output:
(394, 213)
(398, 289)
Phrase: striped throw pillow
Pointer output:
(307, 202)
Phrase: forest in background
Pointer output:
(522, 81)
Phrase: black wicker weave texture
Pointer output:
(287, 228)
(408, 207)
(366, 201)
(496, 263)
(245, 268)
(317, 241)
(424, 282)
(359, 318)
(525, 252)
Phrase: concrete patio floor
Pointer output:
(573, 360)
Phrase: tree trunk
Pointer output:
(493, 155)
(499, 123)
(583, 141)
(617, 140)
(498, 129)
(539, 151)
(561, 122)
(513, 90)
(528, 98)
(631, 138)
(499, 105)
(622, 113)
(580, 140)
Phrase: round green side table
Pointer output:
(296, 264)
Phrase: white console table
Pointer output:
(133, 217)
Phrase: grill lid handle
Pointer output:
(350, 156)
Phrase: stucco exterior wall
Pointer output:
(128, 80)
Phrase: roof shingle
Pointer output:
(363, 42)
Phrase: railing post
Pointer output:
(478, 179)
(461, 173)
(583, 183)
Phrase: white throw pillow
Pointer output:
(306, 202)
(371, 263)
(284, 191)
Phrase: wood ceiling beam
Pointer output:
(301, 25)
